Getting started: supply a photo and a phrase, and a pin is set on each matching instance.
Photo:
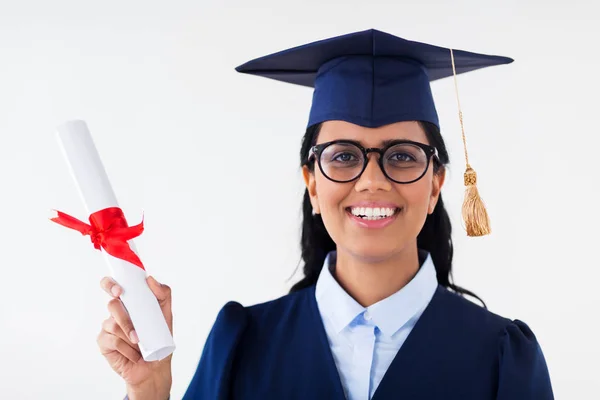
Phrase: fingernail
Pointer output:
(134, 337)
(116, 291)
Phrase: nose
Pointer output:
(372, 178)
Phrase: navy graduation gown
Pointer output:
(457, 350)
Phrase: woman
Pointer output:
(375, 316)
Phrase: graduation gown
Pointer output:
(457, 350)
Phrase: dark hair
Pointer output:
(435, 236)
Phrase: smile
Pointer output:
(373, 217)
(370, 213)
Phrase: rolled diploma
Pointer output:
(155, 339)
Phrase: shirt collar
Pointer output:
(389, 314)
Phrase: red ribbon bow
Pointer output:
(108, 230)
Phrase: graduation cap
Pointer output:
(372, 78)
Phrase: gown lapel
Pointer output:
(325, 370)
(410, 372)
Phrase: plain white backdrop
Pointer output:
(211, 158)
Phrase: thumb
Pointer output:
(162, 292)
(163, 295)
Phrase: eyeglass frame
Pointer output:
(430, 151)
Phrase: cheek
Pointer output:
(331, 194)
(416, 197)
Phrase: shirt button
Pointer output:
(367, 316)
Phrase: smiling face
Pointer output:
(373, 218)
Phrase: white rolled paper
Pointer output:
(155, 339)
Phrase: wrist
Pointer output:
(156, 389)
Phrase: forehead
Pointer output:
(371, 137)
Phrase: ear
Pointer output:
(311, 186)
(438, 182)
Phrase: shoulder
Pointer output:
(231, 314)
(282, 305)
(516, 345)
(472, 319)
(470, 316)
(523, 372)
(467, 315)
(234, 325)
(507, 347)
(234, 314)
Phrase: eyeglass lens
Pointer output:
(403, 162)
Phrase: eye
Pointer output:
(344, 157)
(341, 155)
(401, 157)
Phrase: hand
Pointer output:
(118, 343)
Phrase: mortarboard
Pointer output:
(371, 78)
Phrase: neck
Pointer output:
(371, 280)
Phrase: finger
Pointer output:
(118, 312)
(111, 287)
(109, 343)
(110, 325)
(162, 292)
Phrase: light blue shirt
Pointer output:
(364, 341)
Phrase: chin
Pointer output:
(373, 249)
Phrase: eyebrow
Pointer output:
(388, 141)
(383, 143)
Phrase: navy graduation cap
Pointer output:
(372, 78)
(368, 78)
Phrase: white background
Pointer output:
(211, 157)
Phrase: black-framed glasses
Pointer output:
(402, 161)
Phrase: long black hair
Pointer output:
(435, 236)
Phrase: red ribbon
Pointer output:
(108, 229)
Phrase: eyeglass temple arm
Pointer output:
(311, 153)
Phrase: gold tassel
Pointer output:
(475, 216)
(473, 211)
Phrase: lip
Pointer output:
(376, 223)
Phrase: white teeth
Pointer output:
(370, 213)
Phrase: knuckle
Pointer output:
(119, 317)
(135, 356)
(124, 349)
(113, 305)
(100, 338)
(113, 341)
(105, 341)
(121, 346)
(127, 327)
(109, 325)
